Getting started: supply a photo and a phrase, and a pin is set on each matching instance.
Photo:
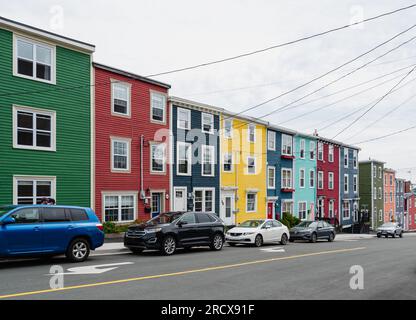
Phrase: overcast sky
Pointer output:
(152, 36)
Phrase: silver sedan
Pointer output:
(392, 229)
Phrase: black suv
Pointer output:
(172, 230)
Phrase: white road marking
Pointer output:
(273, 250)
(96, 269)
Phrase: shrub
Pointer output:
(289, 220)
(109, 227)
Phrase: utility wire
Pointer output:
(386, 136)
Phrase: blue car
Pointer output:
(36, 230)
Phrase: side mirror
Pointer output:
(8, 220)
(181, 223)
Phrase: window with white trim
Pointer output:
(346, 182)
(228, 162)
(330, 180)
(121, 98)
(312, 150)
(302, 178)
(228, 128)
(287, 145)
(346, 210)
(380, 193)
(320, 151)
(375, 193)
(251, 133)
(158, 157)
(271, 177)
(34, 129)
(331, 153)
(120, 154)
(31, 190)
(158, 107)
(321, 207)
(331, 207)
(320, 179)
(312, 178)
(34, 60)
(374, 171)
(251, 165)
(355, 183)
(251, 202)
(204, 200)
(120, 208)
(346, 157)
(271, 140)
(286, 178)
(184, 119)
(184, 158)
(355, 159)
(302, 211)
(208, 159)
(302, 148)
(207, 125)
(287, 207)
(380, 172)
(380, 215)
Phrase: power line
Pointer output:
(386, 136)
(374, 105)
(280, 45)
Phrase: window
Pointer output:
(355, 183)
(34, 129)
(251, 204)
(120, 154)
(380, 193)
(251, 165)
(271, 177)
(320, 179)
(287, 178)
(346, 182)
(320, 151)
(158, 107)
(302, 178)
(321, 207)
(204, 200)
(391, 197)
(346, 210)
(207, 123)
(188, 218)
(380, 173)
(184, 154)
(78, 215)
(346, 158)
(54, 215)
(184, 119)
(375, 193)
(34, 60)
(119, 208)
(121, 98)
(31, 190)
(158, 158)
(271, 140)
(228, 162)
(302, 149)
(228, 128)
(287, 143)
(312, 178)
(302, 210)
(355, 159)
(331, 208)
(374, 171)
(28, 215)
(208, 158)
(312, 150)
(380, 215)
(252, 133)
(287, 207)
(391, 179)
(331, 153)
(330, 180)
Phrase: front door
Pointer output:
(180, 200)
(227, 208)
(270, 210)
(156, 204)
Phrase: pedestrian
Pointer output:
(51, 202)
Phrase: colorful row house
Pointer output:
(399, 217)
(409, 207)
(389, 195)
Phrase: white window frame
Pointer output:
(127, 85)
(302, 214)
(283, 182)
(331, 181)
(228, 135)
(189, 155)
(331, 153)
(255, 165)
(255, 202)
(312, 185)
(286, 138)
(34, 179)
(344, 210)
(331, 208)
(161, 94)
(188, 115)
(204, 190)
(346, 157)
(302, 175)
(302, 147)
(355, 183)
(211, 150)
(211, 116)
(271, 140)
(251, 127)
(273, 186)
(346, 185)
(35, 43)
(321, 179)
(320, 151)
(312, 150)
(120, 194)
(128, 142)
(34, 112)
(285, 203)
(226, 154)
(355, 159)
(158, 144)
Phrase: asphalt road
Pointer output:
(302, 271)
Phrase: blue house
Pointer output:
(400, 200)
(195, 170)
(280, 158)
(349, 186)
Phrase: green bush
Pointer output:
(289, 220)
(111, 227)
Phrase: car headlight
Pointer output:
(153, 230)
(247, 233)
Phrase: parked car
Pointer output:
(40, 230)
(258, 232)
(312, 231)
(392, 229)
(172, 230)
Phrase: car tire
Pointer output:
(331, 237)
(386, 236)
(78, 250)
(378, 235)
(401, 234)
(393, 235)
(217, 242)
(258, 240)
(291, 240)
(284, 239)
(136, 250)
(231, 244)
(168, 245)
(314, 238)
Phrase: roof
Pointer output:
(390, 170)
(130, 75)
(46, 35)
(194, 105)
(282, 129)
(371, 161)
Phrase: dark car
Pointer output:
(312, 231)
(172, 230)
(41, 230)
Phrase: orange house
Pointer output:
(389, 194)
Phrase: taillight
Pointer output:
(100, 226)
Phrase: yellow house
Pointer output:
(243, 168)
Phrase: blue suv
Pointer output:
(49, 230)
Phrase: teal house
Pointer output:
(304, 167)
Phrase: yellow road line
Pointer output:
(229, 266)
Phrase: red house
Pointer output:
(410, 211)
(328, 180)
(131, 145)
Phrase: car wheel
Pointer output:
(217, 242)
(231, 244)
(386, 235)
(291, 240)
(168, 245)
(393, 235)
(283, 241)
(314, 237)
(331, 237)
(378, 235)
(258, 241)
(401, 234)
(78, 250)
(136, 250)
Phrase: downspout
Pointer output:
(142, 194)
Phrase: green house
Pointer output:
(45, 116)
(372, 190)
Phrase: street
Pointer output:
(296, 271)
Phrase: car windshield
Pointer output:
(4, 210)
(163, 218)
(307, 224)
(389, 224)
(251, 224)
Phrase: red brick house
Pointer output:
(131, 145)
